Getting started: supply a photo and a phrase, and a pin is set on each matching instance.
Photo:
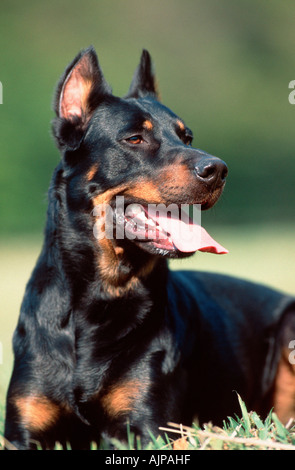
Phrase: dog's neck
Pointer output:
(112, 270)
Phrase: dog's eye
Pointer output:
(185, 136)
(188, 140)
(135, 140)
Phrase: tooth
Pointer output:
(130, 224)
(152, 223)
(120, 218)
(141, 218)
(135, 209)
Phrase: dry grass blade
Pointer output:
(5, 444)
(246, 441)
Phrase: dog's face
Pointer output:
(127, 158)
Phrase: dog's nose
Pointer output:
(211, 170)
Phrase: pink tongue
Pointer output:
(189, 237)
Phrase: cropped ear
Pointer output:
(80, 90)
(143, 82)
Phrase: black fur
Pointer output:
(107, 334)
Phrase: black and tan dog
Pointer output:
(107, 334)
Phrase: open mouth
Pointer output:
(169, 230)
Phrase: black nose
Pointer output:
(211, 170)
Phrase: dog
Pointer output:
(107, 334)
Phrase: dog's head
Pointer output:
(129, 163)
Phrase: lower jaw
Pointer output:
(163, 246)
(146, 240)
(167, 250)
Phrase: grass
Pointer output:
(245, 432)
(260, 254)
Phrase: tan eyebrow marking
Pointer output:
(180, 125)
(148, 125)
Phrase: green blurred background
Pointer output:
(223, 65)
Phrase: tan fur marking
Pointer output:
(177, 175)
(180, 125)
(119, 251)
(110, 255)
(148, 125)
(143, 189)
(36, 413)
(109, 269)
(284, 394)
(146, 190)
(107, 196)
(109, 258)
(108, 261)
(90, 174)
(120, 398)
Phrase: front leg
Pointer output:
(34, 421)
(30, 417)
(142, 406)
